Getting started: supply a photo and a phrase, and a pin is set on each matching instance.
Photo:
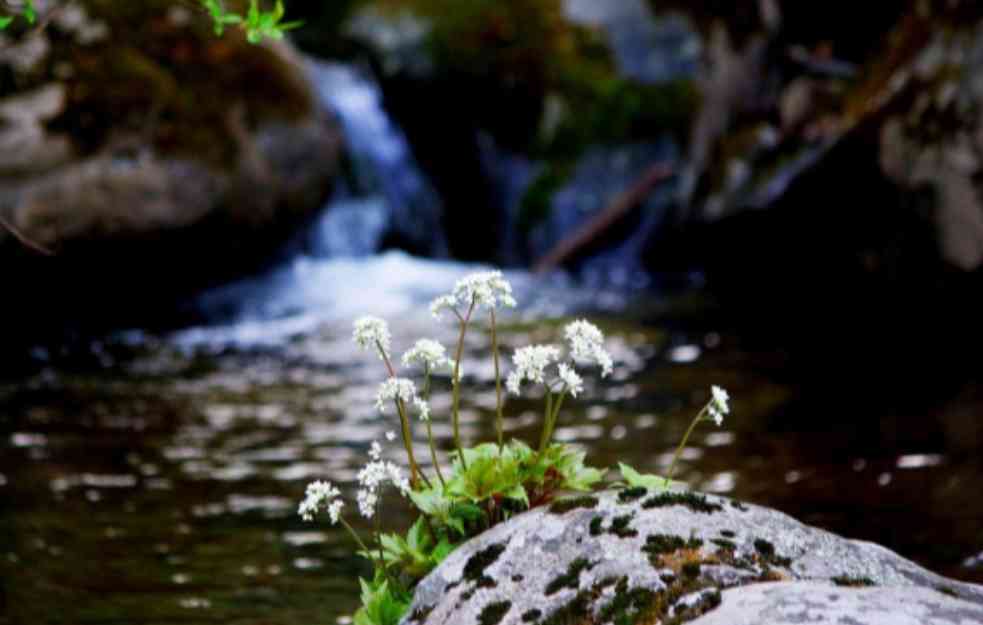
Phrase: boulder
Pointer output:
(634, 556)
(150, 158)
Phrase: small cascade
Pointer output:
(386, 197)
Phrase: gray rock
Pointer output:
(667, 557)
(822, 604)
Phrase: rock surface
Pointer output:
(821, 604)
(139, 147)
(638, 557)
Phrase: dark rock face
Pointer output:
(140, 149)
(638, 557)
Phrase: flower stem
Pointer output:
(544, 437)
(553, 417)
(682, 444)
(433, 449)
(365, 549)
(456, 393)
(498, 381)
(378, 540)
(415, 473)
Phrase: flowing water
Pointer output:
(155, 479)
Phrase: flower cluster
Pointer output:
(487, 289)
(718, 406)
(428, 354)
(530, 365)
(321, 495)
(372, 333)
(373, 476)
(587, 345)
(403, 390)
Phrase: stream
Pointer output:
(155, 479)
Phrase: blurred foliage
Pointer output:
(258, 22)
(161, 75)
(529, 49)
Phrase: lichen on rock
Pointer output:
(691, 557)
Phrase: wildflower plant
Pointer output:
(485, 484)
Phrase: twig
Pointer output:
(611, 214)
(26, 242)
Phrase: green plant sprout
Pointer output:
(257, 23)
(486, 484)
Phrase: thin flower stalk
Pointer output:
(415, 473)
(433, 448)
(456, 388)
(499, 404)
(713, 411)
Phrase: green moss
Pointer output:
(474, 569)
(596, 528)
(627, 605)
(493, 613)
(562, 506)
(853, 582)
(723, 543)
(768, 554)
(658, 544)
(696, 503)
(631, 494)
(532, 615)
(570, 579)
(621, 526)
(945, 590)
(691, 569)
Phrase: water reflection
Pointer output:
(165, 490)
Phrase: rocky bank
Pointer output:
(634, 556)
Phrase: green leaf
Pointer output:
(380, 606)
(5, 21)
(646, 480)
(30, 12)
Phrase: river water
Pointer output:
(154, 479)
(157, 481)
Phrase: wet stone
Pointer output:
(566, 566)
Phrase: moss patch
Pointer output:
(493, 613)
(474, 569)
(570, 579)
(596, 526)
(621, 526)
(631, 494)
(853, 582)
(696, 503)
(562, 506)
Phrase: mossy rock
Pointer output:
(549, 567)
(139, 147)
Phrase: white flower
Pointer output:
(374, 476)
(429, 354)
(321, 495)
(375, 451)
(390, 436)
(718, 406)
(485, 288)
(587, 345)
(395, 389)
(422, 408)
(530, 364)
(371, 333)
(488, 289)
(442, 303)
(569, 377)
